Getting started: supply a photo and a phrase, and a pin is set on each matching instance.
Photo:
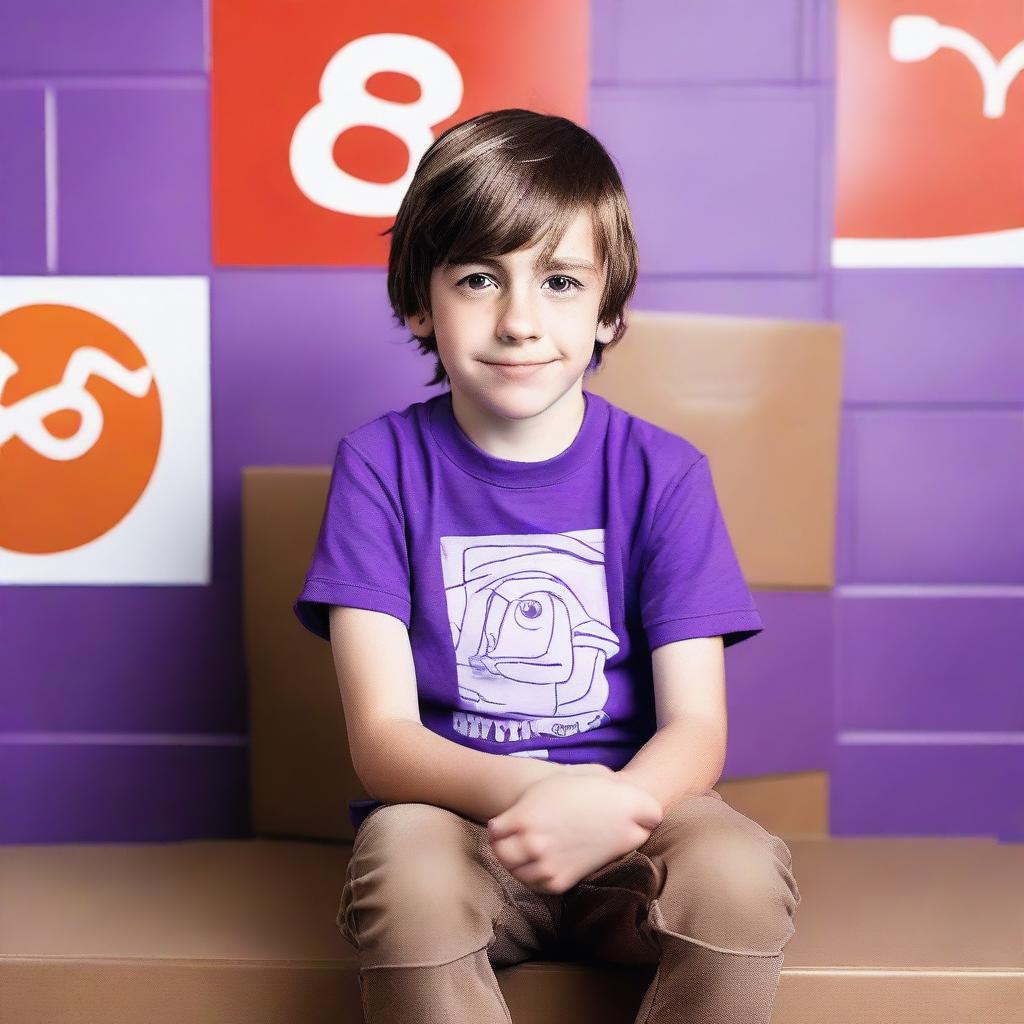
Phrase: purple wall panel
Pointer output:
(134, 180)
(934, 335)
(779, 687)
(929, 662)
(686, 156)
(819, 40)
(22, 181)
(148, 792)
(122, 659)
(603, 32)
(919, 786)
(321, 331)
(109, 36)
(709, 41)
(937, 496)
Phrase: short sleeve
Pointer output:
(361, 557)
(691, 583)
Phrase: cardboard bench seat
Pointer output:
(243, 932)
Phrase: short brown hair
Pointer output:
(494, 184)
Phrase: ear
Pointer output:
(605, 332)
(421, 324)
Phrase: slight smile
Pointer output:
(544, 363)
(517, 371)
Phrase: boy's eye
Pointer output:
(569, 285)
(571, 282)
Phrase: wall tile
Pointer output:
(926, 789)
(708, 41)
(134, 659)
(928, 335)
(688, 160)
(67, 37)
(122, 793)
(319, 332)
(930, 663)
(604, 15)
(819, 40)
(134, 180)
(22, 181)
(779, 685)
(936, 497)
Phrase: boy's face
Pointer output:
(514, 312)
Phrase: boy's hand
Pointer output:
(566, 826)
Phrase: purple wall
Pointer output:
(123, 710)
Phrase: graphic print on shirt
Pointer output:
(530, 624)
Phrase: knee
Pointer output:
(733, 892)
(413, 851)
(417, 885)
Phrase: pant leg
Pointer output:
(710, 899)
(431, 911)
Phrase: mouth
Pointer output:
(517, 371)
(544, 363)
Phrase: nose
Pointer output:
(517, 316)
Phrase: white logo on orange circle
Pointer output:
(80, 427)
(27, 418)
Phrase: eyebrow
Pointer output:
(557, 263)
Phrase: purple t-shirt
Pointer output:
(533, 592)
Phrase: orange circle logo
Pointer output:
(80, 427)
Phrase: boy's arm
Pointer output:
(396, 757)
(412, 764)
(687, 753)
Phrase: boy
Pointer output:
(518, 567)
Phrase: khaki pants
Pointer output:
(709, 898)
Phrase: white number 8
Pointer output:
(344, 103)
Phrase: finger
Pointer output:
(533, 873)
(641, 835)
(652, 815)
(549, 886)
(499, 826)
(512, 852)
(515, 859)
(650, 819)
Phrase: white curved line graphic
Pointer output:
(916, 37)
(25, 418)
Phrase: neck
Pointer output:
(533, 438)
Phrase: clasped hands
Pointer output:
(566, 826)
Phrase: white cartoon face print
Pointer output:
(530, 624)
